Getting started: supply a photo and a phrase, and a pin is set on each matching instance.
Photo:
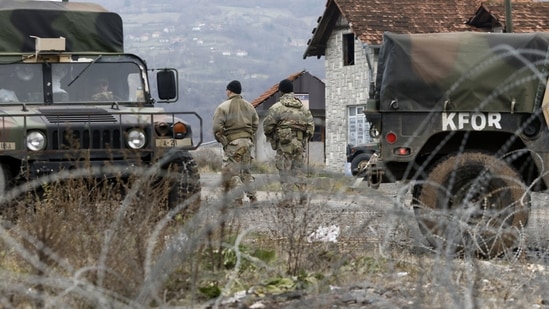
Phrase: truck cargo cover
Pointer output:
(85, 26)
(464, 71)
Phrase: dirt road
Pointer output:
(365, 212)
(382, 221)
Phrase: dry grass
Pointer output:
(86, 244)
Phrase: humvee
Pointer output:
(72, 99)
(359, 155)
(462, 117)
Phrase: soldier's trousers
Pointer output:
(236, 166)
(290, 163)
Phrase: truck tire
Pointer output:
(5, 178)
(359, 162)
(472, 202)
(184, 185)
(7, 208)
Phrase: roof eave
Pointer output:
(316, 46)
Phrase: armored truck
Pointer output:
(462, 119)
(72, 99)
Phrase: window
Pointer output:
(21, 82)
(358, 127)
(348, 49)
(320, 130)
(102, 81)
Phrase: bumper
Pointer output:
(96, 169)
(101, 168)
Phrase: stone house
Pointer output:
(311, 91)
(349, 34)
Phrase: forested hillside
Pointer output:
(212, 42)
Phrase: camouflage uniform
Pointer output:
(288, 126)
(234, 125)
(103, 96)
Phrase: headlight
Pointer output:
(136, 139)
(36, 140)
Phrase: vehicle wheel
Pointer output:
(5, 178)
(472, 202)
(6, 182)
(359, 162)
(184, 185)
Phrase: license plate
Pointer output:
(170, 142)
(7, 146)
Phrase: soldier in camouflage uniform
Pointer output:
(288, 126)
(235, 123)
(102, 92)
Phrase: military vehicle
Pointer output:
(72, 99)
(359, 155)
(462, 118)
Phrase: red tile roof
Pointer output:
(274, 89)
(370, 19)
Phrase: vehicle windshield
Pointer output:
(81, 82)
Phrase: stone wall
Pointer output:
(345, 85)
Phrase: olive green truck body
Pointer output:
(53, 57)
(462, 118)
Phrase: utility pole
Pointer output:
(508, 18)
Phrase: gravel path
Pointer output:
(381, 217)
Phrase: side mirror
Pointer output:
(166, 80)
